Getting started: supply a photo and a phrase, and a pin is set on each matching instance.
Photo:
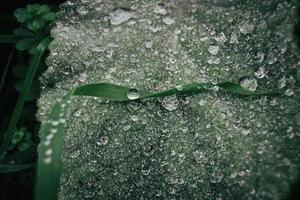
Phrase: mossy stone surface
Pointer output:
(208, 146)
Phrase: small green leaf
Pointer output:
(23, 33)
(18, 136)
(43, 9)
(49, 16)
(37, 24)
(21, 15)
(25, 43)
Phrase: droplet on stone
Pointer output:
(249, 84)
(214, 60)
(160, 10)
(120, 15)
(282, 83)
(168, 20)
(170, 103)
(233, 39)
(134, 118)
(289, 92)
(245, 27)
(213, 49)
(146, 172)
(245, 132)
(83, 77)
(271, 59)
(102, 140)
(261, 72)
(200, 156)
(133, 94)
(260, 56)
(148, 44)
(82, 10)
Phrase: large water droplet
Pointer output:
(170, 103)
(168, 20)
(249, 84)
(120, 15)
(213, 49)
(133, 94)
(261, 72)
(246, 28)
(102, 140)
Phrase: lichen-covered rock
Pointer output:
(208, 146)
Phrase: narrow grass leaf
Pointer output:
(25, 43)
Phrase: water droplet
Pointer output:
(179, 87)
(146, 172)
(200, 156)
(47, 142)
(47, 160)
(160, 10)
(49, 137)
(148, 44)
(289, 92)
(133, 94)
(271, 59)
(261, 72)
(260, 56)
(126, 127)
(233, 39)
(170, 103)
(120, 15)
(245, 27)
(55, 123)
(168, 20)
(213, 60)
(245, 132)
(82, 77)
(213, 49)
(249, 84)
(82, 10)
(102, 140)
(53, 131)
(48, 152)
(134, 118)
(282, 83)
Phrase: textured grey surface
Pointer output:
(209, 146)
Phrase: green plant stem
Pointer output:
(16, 167)
(35, 61)
(6, 69)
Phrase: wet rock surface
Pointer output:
(208, 146)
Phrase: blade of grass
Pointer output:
(35, 61)
(8, 39)
(52, 133)
(16, 167)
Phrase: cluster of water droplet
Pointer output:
(208, 146)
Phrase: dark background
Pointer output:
(20, 185)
